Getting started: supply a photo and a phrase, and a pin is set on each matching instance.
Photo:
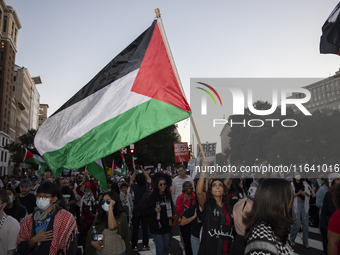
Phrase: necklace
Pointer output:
(3, 219)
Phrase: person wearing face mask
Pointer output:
(14, 208)
(300, 209)
(217, 231)
(9, 227)
(50, 229)
(111, 222)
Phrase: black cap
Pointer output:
(25, 182)
(34, 178)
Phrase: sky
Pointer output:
(67, 43)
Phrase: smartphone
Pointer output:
(101, 239)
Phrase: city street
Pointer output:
(315, 242)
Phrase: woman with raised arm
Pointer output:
(217, 229)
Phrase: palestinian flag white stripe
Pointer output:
(80, 118)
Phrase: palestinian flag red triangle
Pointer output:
(156, 77)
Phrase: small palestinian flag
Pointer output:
(123, 170)
(330, 39)
(115, 169)
(228, 161)
(97, 169)
(135, 95)
(32, 156)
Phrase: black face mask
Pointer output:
(64, 188)
(78, 181)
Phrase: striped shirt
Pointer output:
(177, 186)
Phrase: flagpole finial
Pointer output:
(157, 13)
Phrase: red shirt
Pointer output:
(179, 207)
(334, 225)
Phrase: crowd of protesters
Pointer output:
(75, 215)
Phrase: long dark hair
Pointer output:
(275, 196)
(16, 204)
(155, 191)
(225, 197)
(118, 208)
(236, 183)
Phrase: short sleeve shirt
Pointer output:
(9, 234)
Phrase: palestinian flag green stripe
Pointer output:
(116, 133)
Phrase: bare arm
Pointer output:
(186, 221)
(10, 252)
(333, 241)
(147, 177)
(133, 176)
(199, 187)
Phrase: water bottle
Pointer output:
(94, 233)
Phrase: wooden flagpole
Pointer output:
(160, 24)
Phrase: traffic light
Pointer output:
(132, 148)
(189, 150)
(132, 151)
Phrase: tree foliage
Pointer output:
(151, 150)
(17, 149)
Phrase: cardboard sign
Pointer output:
(181, 152)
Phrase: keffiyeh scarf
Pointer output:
(64, 231)
(167, 203)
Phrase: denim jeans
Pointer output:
(303, 217)
(162, 243)
(195, 244)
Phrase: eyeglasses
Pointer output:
(161, 184)
(45, 196)
(33, 180)
(108, 202)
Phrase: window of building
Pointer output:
(4, 28)
(3, 141)
(5, 156)
(2, 156)
(12, 32)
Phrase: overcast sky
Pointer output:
(69, 42)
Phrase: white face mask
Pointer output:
(105, 207)
(298, 177)
(43, 203)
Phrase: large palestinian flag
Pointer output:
(135, 95)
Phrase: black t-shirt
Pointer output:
(196, 223)
(217, 232)
(22, 212)
(299, 186)
(29, 202)
(233, 198)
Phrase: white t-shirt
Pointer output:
(8, 234)
(177, 186)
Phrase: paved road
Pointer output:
(315, 242)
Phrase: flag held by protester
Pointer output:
(330, 38)
(32, 156)
(97, 169)
(135, 95)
